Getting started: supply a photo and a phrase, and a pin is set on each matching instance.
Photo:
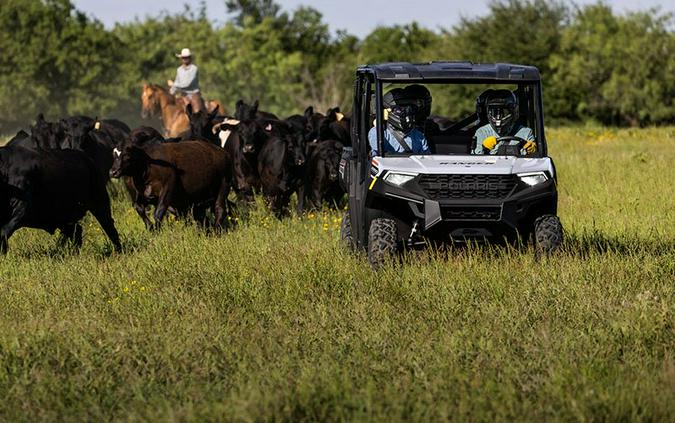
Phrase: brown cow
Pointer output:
(186, 177)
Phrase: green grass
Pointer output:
(275, 321)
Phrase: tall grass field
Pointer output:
(274, 320)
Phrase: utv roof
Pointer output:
(403, 71)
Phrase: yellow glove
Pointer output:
(530, 147)
(489, 143)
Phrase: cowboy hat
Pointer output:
(184, 53)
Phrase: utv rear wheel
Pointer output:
(548, 235)
(346, 231)
(382, 246)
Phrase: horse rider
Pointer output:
(187, 81)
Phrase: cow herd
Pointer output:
(55, 173)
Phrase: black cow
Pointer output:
(201, 125)
(280, 166)
(46, 135)
(336, 126)
(246, 177)
(81, 134)
(50, 190)
(144, 135)
(114, 130)
(23, 139)
(321, 176)
(244, 111)
(309, 123)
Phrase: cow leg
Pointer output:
(106, 221)
(140, 209)
(72, 233)
(164, 202)
(222, 205)
(301, 199)
(103, 215)
(19, 209)
(199, 215)
(316, 196)
(280, 204)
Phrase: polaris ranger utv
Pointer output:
(415, 178)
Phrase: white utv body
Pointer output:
(451, 194)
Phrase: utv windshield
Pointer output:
(456, 119)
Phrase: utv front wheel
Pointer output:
(346, 231)
(548, 235)
(382, 246)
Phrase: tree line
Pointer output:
(597, 65)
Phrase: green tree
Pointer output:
(615, 69)
(55, 60)
(253, 10)
(516, 31)
(399, 43)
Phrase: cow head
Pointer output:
(76, 132)
(202, 122)
(244, 111)
(253, 135)
(143, 135)
(127, 160)
(332, 162)
(46, 134)
(295, 144)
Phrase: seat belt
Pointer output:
(401, 140)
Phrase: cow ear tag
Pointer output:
(97, 125)
(268, 128)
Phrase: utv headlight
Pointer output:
(399, 179)
(533, 178)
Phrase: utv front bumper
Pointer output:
(465, 206)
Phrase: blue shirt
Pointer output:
(415, 140)
(487, 131)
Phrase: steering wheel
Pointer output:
(510, 150)
(521, 141)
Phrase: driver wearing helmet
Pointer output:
(404, 114)
(502, 115)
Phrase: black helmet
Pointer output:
(420, 96)
(502, 111)
(402, 118)
(393, 97)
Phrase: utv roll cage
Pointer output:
(371, 77)
(400, 199)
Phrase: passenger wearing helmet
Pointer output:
(502, 115)
(405, 112)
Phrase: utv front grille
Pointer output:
(471, 212)
(467, 187)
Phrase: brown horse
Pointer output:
(174, 118)
(212, 104)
